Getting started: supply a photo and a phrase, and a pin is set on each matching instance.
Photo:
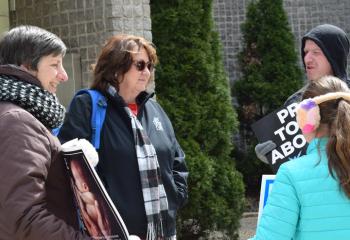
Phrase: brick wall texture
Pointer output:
(84, 25)
(302, 15)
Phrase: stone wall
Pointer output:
(84, 25)
(4, 16)
(302, 15)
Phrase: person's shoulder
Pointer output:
(347, 81)
(295, 97)
(152, 103)
(152, 100)
(82, 97)
(308, 166)
(12, 111)
(149, 97)
(16, 120)
(156, 111)
(297, 163)
(80, 101)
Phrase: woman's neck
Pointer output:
(322, 131)
(128, 97)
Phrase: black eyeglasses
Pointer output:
(141, 65)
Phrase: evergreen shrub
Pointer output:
(192, 86)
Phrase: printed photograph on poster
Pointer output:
(99, 218)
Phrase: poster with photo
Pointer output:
(98, 216)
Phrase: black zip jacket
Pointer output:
(118, 166)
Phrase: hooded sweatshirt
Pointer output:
(334, 44)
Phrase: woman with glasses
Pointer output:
(141, 163)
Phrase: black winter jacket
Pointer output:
(118, 166)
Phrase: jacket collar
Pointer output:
(317, 144)
(19, 73)
(141, 99)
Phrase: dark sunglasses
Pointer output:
(141, 65)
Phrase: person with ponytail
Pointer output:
(310, 198)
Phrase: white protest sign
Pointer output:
(266, 187)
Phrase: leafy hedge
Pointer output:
(270, 73)
(193, 88)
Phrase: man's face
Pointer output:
(316, 63)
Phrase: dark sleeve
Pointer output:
(180, 174)
(178, 167)
(25, 162)
(77, 122)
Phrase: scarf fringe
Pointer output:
(151, 232)
(155, 232)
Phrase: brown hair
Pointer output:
(116, 59)
(336, 115)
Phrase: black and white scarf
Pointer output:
(42, 104)
(155, 199)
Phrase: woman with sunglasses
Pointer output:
(141, 163)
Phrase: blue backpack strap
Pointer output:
(99, 106)
(56, 131)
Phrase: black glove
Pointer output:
(264, 148)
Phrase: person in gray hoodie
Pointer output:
(324, 51)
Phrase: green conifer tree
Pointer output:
(193, 88)
(270, 74)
